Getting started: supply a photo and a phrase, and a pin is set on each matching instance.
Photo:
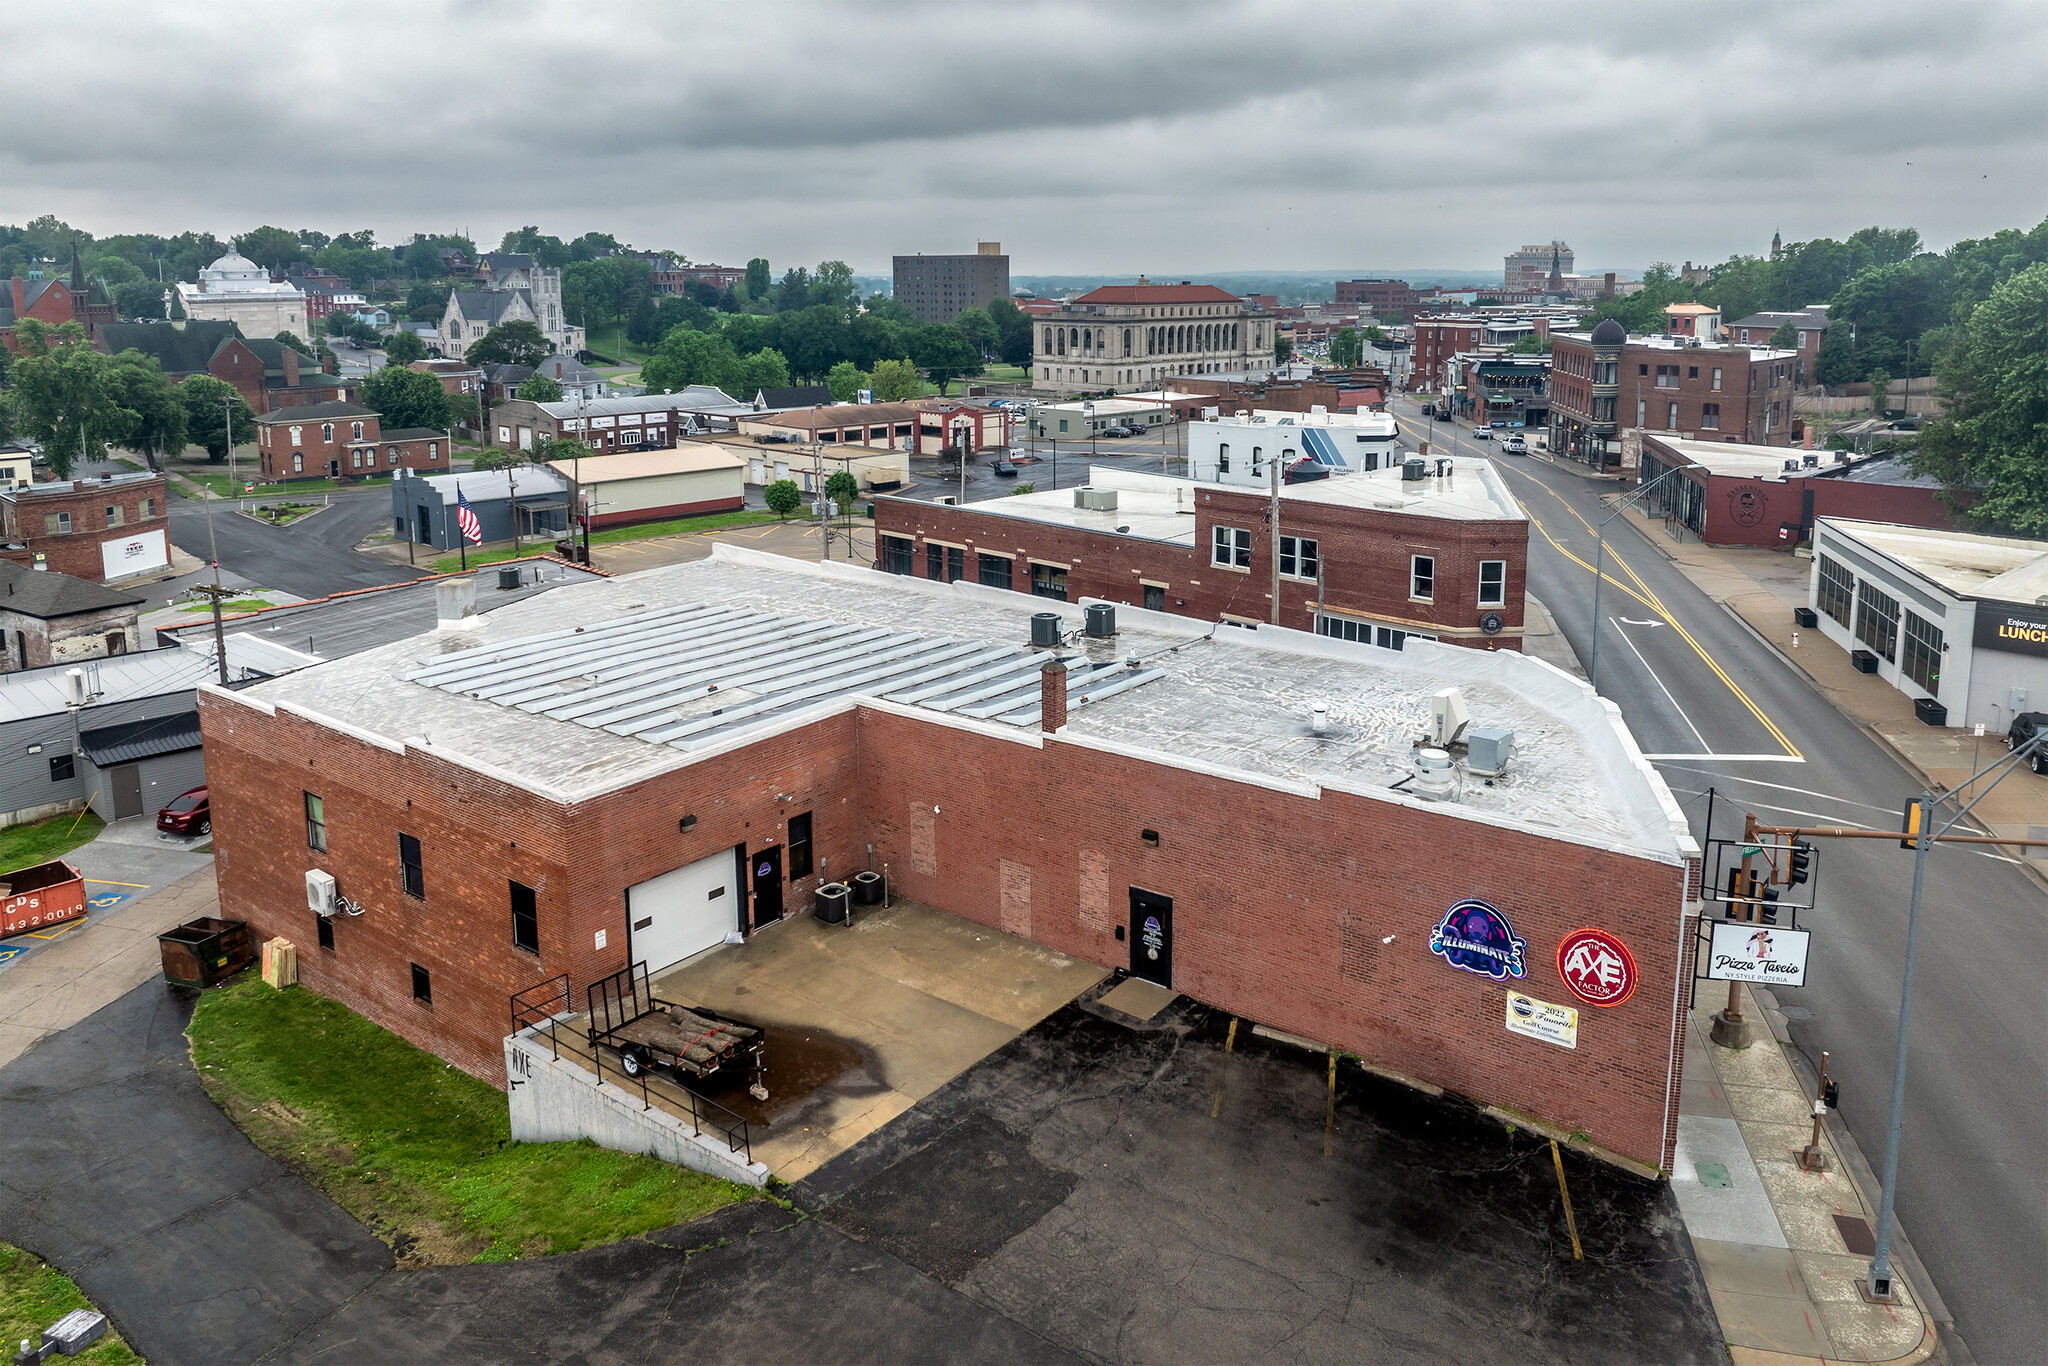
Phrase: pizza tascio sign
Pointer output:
(1596, 967)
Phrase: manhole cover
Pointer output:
(1714, 1176)
(1795, 1012)
(1856, 1235)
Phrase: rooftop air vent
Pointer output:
(1435, 778)
(1448, 717)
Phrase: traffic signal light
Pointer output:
(1801, 863)
(1767, 906)
(1911, 826)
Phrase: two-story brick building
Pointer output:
(109, 529)
(1604, 382)
(267, 374)
(1380, 558)
(342, 441)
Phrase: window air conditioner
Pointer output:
(319, 892)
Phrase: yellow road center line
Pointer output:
(1571, 1224)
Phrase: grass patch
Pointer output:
(223, 487)
(34, 1295)
(24, 845)
(416, 1149)
(682, 526)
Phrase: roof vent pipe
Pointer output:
(1319, 719)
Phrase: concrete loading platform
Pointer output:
(863, 1021)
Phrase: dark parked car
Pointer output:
(2024, 727)
(187, 815)
(1429, 410)
(1119, 431)
(1003, 468)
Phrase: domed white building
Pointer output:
(237, 290)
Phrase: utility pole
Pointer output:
(1729, 1029)
(405, 492)
(512, 503)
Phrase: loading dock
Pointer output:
(683, 912)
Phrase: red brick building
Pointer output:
(106, 530)
(267, 374)
(1744, 495)
(54, 303)
(1436, 341)
(1382, 296)
(342, 441)
(1363, 557)
(1604, 382)
(1173, 819)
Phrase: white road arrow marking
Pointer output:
(1627, 621)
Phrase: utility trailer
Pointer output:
(689, 1042)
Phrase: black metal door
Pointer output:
(1152, 937)
(767, 867)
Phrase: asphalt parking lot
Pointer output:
(1099, 1189)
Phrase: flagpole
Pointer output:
(461, 531)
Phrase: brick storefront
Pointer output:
(342, 441)
(1714, 393)
(1365, 556)
(80, 527)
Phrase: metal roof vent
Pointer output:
(1436, 779)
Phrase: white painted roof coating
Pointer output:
(1965, 563)
(1220, 700)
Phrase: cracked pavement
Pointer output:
(1071, 1198)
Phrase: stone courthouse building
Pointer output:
(1126, 336)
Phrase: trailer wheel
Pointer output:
(633, 1061)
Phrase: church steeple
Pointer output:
(1556, 282)
(77, 270)
(1777, 245)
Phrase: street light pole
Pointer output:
(1600, 561)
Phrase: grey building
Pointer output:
(936, 288)
(136, 768)
(424, 510)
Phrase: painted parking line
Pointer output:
(109, 882)
(1758, 782)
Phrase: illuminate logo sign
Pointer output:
(1153, 938)
(1474, 937)
(1596, 967)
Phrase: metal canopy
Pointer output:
(695, 674)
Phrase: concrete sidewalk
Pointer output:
(1761, 587)
(1772, 1239)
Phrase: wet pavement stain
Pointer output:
(806, 1069)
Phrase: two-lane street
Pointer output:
(1715, 707)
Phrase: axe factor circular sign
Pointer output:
(1596, 967)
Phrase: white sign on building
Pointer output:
(1543, 1020)
(134, 555)
(1743, 952)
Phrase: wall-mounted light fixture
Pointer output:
(686, 823)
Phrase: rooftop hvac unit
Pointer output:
(1809, 460)
(1094, 499)
(1448, 717)
(319, 892)
(1414, 469)
(1045, 630)
(1100, 620)
(1487, 751)
(1435, 778)
(1791, 465)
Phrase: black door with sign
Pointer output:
(767, 869)
(1152, 937)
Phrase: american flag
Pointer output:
(472, 529)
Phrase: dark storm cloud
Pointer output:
(1086, 137)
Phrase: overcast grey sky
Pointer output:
(1104, 138)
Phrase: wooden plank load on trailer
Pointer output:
(688, 1041)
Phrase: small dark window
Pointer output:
(1642, 369)
(1155, 598)
(525, 919)
(422, 985)
(60, 768)
(799, 846)
(994, 570)
(316, 823)
(956, 564)
(415, 875)
(1150, 837)
(935, 562)
(326, 930)
(896, 554)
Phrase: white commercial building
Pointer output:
(1314, 444)
(235, 289)
(1955, 620)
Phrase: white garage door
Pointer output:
(683, 912)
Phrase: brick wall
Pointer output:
(1309, 914)
(321, 440)
(1365, 557)
(65, 639)
(77, 552)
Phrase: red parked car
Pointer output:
(188, 814)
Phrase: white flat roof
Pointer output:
(1736, 458)
(814, 640)
(1161, 507)
(1963, 562)
(692, 459)
(1110, 407)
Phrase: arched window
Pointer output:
(298, 464)
(1127, 341)
(359, 431)
(1223, 457)
(1257, 452)
(1063, 341)
(1047, 348)
(327, 431)
(1151, 341)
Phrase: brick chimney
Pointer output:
(1052, 696)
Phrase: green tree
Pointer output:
(403, 348)
(846, 380)
(140, 299)
(765, 369)
(1993, 438)
(1375, 333)
(783, 497)
(65, 395)
(540, 389)
(1347, 347)
(1880, 387)
(842, 488)
(1013, 332)
(350, 328)
(1786, 338)
(891, 310)
(159, 425)
(795, 290)
(685, 357)
(944, 353)
(498, 458)
(979, 329)
(427, 300)
(272, 248)
(1283, 350)
(291, 339)
(408, 398)
(759, 280)
(209, 404)
(832, 287)
(520, 343)
(895, 381)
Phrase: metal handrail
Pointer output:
(526, 1013)
(605, 993)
